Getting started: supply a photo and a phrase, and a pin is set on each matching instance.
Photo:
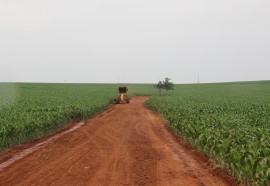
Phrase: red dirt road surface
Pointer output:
(125, 145)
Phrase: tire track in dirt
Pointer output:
(126, 145)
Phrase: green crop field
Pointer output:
(30, 111)
(229, 122)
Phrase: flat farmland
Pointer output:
(229, 122)
(29, 111)
(226, 122)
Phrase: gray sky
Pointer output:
(141, 41)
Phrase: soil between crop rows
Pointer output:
(125, 145)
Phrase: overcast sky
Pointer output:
(141, 41)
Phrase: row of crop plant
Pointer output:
(29, 111)
(228, 122)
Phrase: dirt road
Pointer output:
(125, 145)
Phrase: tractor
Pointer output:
(122, 95)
